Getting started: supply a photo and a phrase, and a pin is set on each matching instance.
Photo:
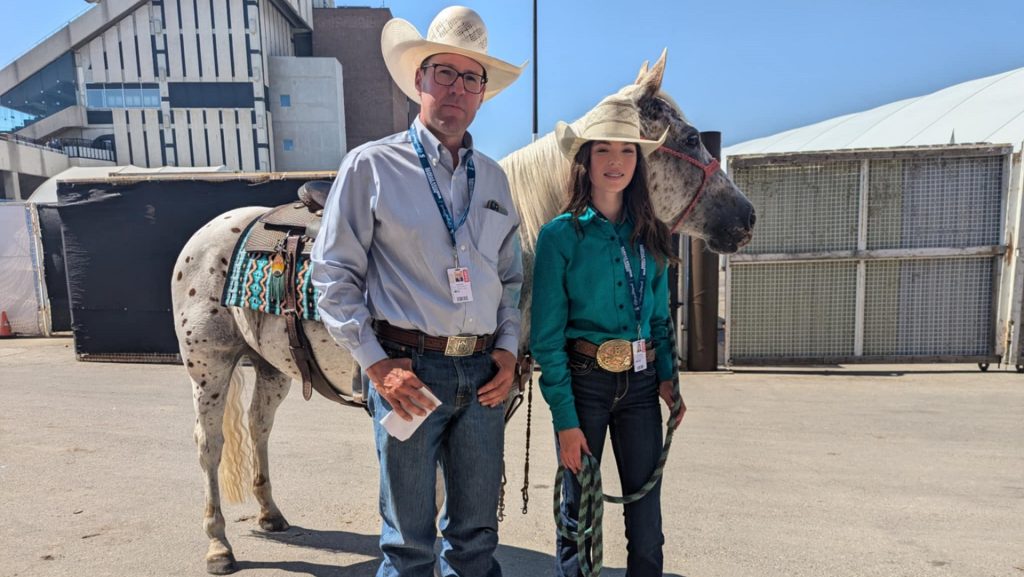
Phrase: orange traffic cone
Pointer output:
(5, 326)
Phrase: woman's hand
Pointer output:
(571, 446)
(665, 390)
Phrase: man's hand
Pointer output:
(395, 381)
(571, 446)
(665, 390)
(496, 390)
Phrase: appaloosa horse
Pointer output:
(689, 193)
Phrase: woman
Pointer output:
(601, 330)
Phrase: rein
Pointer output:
(592, 498)
(708, 171)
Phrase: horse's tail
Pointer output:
(235, 470)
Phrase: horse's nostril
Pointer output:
(753, 219)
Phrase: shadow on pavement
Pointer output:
(514, 560)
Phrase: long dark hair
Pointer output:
(636, 202)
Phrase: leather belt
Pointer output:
(614, 356)
(457, 346)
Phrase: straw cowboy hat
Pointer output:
(614, 119)
(455, 30)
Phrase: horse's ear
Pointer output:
(643, 72)
(651, 82)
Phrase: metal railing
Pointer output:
(50, 145)
(71, 147)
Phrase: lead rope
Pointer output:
(592, 499)
(529, 419)
(524, 366)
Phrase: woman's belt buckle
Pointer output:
(615, 356)
(460, 346)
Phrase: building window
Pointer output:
(288, 144)
(151, 97)
(116, 95)
(132, 97)
(211, 94)
(286, 100)
(95, 98)
(48, 91)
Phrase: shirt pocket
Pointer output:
(493, 229)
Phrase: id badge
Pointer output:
(639, 355)
(458, 283)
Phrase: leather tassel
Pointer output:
(275, 284)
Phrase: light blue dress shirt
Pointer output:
(383, 250)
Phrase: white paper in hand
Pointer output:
(401, 429)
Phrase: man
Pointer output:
(419, 270)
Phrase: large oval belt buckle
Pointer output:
(615, 355)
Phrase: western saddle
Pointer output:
(288, 232)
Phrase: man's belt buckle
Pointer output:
(460, 346)
(615, 356)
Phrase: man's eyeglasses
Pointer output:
(446, 76)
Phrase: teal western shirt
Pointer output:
(581, 291)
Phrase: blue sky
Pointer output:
(747, 68)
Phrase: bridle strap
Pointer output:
(708, 171)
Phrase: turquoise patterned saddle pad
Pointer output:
(251, 285)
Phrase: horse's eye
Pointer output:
(693, 140)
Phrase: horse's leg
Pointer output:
(211, 345)
(271, 388)
(211, 377)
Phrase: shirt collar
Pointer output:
(433, 147)
(592, 215)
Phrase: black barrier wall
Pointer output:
(53, 267)
(120, 244)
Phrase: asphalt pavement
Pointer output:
(857, 471)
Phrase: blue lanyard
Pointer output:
(636, 286)
(436, 190)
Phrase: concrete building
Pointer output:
(306, 100)
(169, 83)
(374, 106)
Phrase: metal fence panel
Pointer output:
(869, 255)
(929, 307)
(809, 207)
(793, 309)
(935, 202)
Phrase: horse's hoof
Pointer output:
(274, 524)
(221, 565)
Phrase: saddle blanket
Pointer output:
(250, 283)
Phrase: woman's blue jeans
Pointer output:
(467, 439)
(625, 407)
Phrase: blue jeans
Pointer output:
(467, 439)
(626, 405)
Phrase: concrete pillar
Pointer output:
(12, 187)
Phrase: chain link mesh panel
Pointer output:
(934, 202)
(928, 307)
(793, 310)
(802, 208)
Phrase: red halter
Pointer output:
(708, 169)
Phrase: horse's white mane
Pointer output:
(538, 175)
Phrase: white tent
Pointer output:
(21, 292)
(989, 109)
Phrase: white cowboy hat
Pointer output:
(455, 30)
(614, 119)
